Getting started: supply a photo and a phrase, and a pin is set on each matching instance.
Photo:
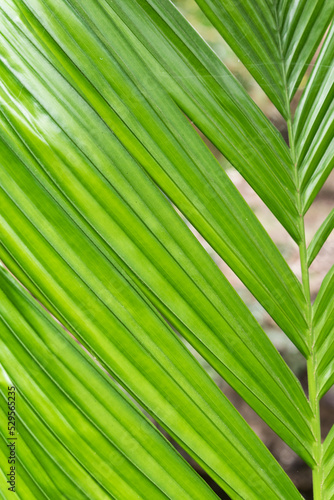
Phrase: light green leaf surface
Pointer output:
(303, 24)
(320, 237)
(252, 31)
(328, 459)
(78, 435)
(92, 297)
(152, 246)
(210, 96)
(215, 210)
(73, 418)
(324, 306)
(98, 157)
(324, 332)
(325, 367)
(275, 40)
(31, 490)
(314, 125)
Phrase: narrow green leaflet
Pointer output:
(202, 87)
(314, 125)
(178, 160)
(324, 330)
(323, 306)
(275, 40)
(31, 489)
(251, 30)
(320, 237)
(328, 461)
(78, 435)
(93, 298)
(144, 231)
(325, 367)
(303, 24)
(92, 442)
(314, 135)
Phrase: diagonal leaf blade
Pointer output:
(63, 395)
(218, 210)
(303, 25)
(251, 30)
(323, 318)
(97, 278)
(275, 40)
(314, 125)
(41, 350)
(323, 308)
(212, 98)
(95, 148)
(328, 460)
(320, 237)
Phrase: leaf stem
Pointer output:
(312, 376)
(311, 361)
(315, 425)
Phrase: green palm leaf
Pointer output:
(328, 476)
(196, 423)
(320, 237)
(302, 26)
(63, 399)
(201, 302)
(324, 328)
(276, 40)
(252, 29)
(216, 211)
(314, 125)
(96, 148)
(71, 286)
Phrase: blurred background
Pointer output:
(294, 466)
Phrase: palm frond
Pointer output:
(314, 125)
(79, 435)
(329, 464)
(324, 328)
(320, 237)
(97, 151)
